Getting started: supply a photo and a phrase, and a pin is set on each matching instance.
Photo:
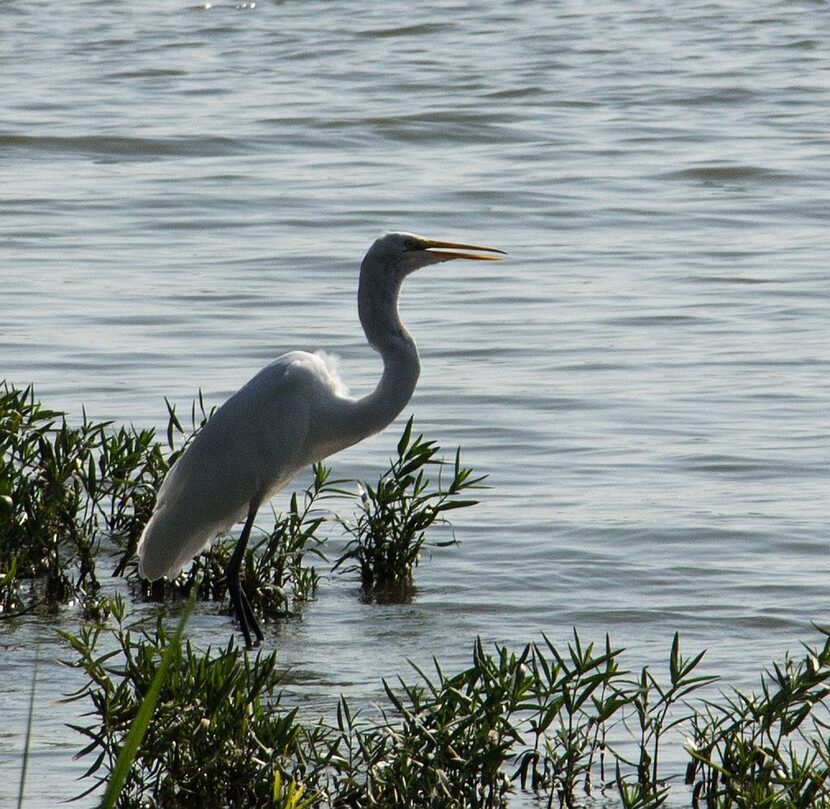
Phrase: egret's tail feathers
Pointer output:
(166, 545)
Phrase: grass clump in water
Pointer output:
(59, 487)
(390, 531)
(217, 736)
(72, 496)
(767, 749)
(567, 725)
(275, 573)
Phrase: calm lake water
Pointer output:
(187, 191)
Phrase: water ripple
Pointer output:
(725, 173)
(128, 148)
(188, 192)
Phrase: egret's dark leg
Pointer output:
(241, 606)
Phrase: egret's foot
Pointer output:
(251, 618)
(244, 613)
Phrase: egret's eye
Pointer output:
(411, 244)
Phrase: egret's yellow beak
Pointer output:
(458, 250)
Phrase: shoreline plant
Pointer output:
(566, 725)
(209, 742)
(73, 496)
(390, 532)
(548, 721)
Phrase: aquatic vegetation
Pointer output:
(27, 745)
(574, 696)
(211, 741)
(275, 569)
(541, 719)
(48, 507)
(172, 725)
(390, 532)
(72, 497)
(138, 727)
(275, 574)
(767, 749)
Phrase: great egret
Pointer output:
(294, 412)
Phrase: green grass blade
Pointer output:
(145, 713)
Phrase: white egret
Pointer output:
(294, 412)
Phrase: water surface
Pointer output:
(187, 191)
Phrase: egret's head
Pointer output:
(398, 254)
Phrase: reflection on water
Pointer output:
(187, 192)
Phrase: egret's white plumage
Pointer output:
(252, 446)
(294, 412)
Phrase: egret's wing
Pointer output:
(251, 447)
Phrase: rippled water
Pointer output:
(187, 192)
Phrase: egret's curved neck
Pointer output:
(378, 310)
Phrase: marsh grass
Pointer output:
(205, 737)
(144, 715)
(73, 497)
(27, 745)
(770, 748)
(276, 574)
(63, 490)
(46, 514)
(171, 725)
(390, 532)
(568, 725)
(574, 696)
